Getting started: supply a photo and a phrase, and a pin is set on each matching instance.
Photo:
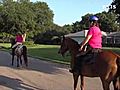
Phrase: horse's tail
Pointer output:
(118, 60)
(25, 55)
(116, 81)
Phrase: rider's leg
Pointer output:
(14, 45)
(93, 58)
(94, 53)
(13, 50)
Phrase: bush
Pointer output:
(29, 43)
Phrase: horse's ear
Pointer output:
(63, 37)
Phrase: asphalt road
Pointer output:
(40, 75)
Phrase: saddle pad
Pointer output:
(19, 49)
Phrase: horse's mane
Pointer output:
(75, 42)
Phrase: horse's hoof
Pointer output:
(71, 70)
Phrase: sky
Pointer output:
(70, 11)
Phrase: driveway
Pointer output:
(40, 75)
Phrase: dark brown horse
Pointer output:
(19, 51)
(106, 66)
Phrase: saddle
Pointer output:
(88, 56)
(19, 49)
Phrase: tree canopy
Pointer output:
(106, 20)
(23, 15)
(115, 7)
(37, 20)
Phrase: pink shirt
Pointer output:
(19, 38)
(96, 39)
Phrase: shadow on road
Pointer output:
(15, 84)
(45, 66)
(34, 64)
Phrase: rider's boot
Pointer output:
(92, 60)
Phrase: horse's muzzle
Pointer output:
(59, 52)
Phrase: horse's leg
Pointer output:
(105, 84)
(25, 55)
(82, 82)
(13, 54)
(20, 60)
(116, 83)
(75, 76)
(72, 61)
(17, 61)
(12, 59)
(25, 59)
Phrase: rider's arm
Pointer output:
(24, 37)
(85, 41)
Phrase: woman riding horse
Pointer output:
(94, 41)
(19, 39)
(18, 49)
(106, 65)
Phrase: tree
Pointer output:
(83, 24)
(43, 16)
(107, 22)
(67, 29)
(115, 7)
(23, 15)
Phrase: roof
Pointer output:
(114, 34)
(82, 33)
(77, 34)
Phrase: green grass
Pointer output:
(46, 52)
(49, 52)
(5, 45)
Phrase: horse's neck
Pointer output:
(73, 49)
(13, 42)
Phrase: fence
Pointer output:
(111, 41)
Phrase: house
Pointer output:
(112, 39)
(80, 36)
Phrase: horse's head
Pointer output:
(64, 46)
(68, 44)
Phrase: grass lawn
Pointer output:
(45, 52)
(48, 52)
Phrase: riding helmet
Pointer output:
(93, 18)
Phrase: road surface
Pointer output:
(40, 75)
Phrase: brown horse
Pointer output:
(106, 66)
(19, 51)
